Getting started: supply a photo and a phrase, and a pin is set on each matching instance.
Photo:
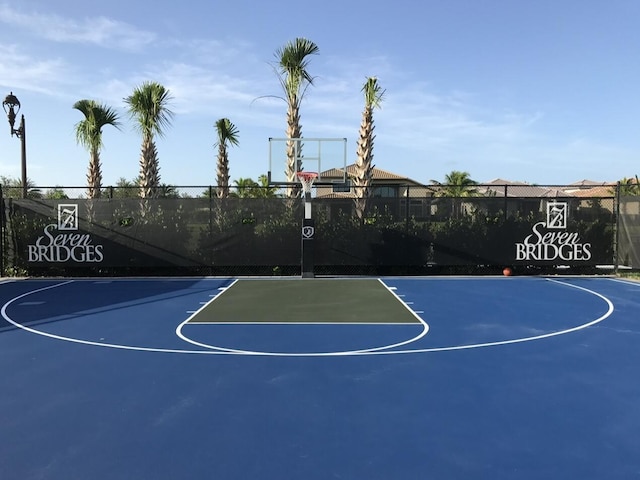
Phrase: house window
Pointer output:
(342, 187)
(418, 207)
(385, 192)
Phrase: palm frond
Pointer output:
(149, 107)
(89, 131)
(227, 132)
(293, 61)
(373, 94)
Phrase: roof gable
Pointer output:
(377, 175)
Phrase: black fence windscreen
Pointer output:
(629, 233)
(262, 236)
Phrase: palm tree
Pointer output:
(629, 186)
(373, 96)
(456, 185)
(249, 188)
(265, 189)
(149, 107)
(124, 188)
(227, 135)
(626, 187)
(56, 193)
(12, 188)
(245, 188)
(295, 79)
(89, 135)
(168, 191)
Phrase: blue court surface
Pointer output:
(523, 378)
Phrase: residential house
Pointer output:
(388, 190)
(587, 197)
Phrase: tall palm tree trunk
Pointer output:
(149, 170)
(373, 96)
(293, 148)
(364, 163)
(223, 172)
(94, 176)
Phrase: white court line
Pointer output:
(625, 281)
(356, 352)
(222, 290)
(525, 339)
(425, 330)
(371, 324)
(3, 311)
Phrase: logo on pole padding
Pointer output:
(308, 231)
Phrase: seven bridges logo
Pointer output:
(550, 241)
(62, 242)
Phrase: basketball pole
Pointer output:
(321, 155)
(308, 230)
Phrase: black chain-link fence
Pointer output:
(628, 238)
(190, 231)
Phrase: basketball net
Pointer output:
(307, 179)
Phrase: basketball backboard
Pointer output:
(325, 156)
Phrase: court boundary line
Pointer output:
(524, 339)
(371, 324)
(625, 281)
(610, 310)
(3, 312)
(425, 330)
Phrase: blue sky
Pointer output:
(544, 92)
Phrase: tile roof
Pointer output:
(378, 174)
(600, 191)
(520, 189)
(584, 188)
(329, 194)
(588, 183)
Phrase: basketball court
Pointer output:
(377, 378)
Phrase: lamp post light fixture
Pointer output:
(11, 106)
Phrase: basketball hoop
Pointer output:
(307, 179)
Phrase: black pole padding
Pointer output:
(308, 234)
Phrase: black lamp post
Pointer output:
(11, 106)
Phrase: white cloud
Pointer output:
(101, 31)
(421, 131)
(38, 75)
